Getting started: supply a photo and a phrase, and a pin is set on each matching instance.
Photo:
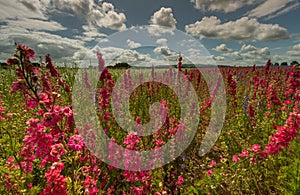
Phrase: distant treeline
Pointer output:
(126, 65)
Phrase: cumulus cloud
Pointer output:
(234, 55)
(219, 58)
(134, 58)
(162, 41)
(164, 17)
(164, 51)
(248, 48)
(166, 54)
(110, 19)
(243, 29)
(294, 51)
(248, 55)
(102, 14)
(222, 48)
(133, 44)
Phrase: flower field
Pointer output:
(44, 152)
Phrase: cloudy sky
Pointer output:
(236, 32)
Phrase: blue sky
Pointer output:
(235, 32)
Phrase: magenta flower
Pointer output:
(213, 163)
(76, 143)
(245, 153)
(56, 183)
(57, 150)
(180, 180)
(210, 172)
(255, 148)
(253, 160)
(287, 102)
(235, 158)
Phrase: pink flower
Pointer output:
(288, 92)
(263, 155)
(50, 66)
(245, 153)
(253, 160)
(29, 53)
(180, 180)
(131, 140)
(13, 61)
(213, 163)
(31, 103)
(287, 102)
(90, 185)
(76, 143)
(57, 150)
(56, 183)
(235, 158)
(159, 142)
(267, 114)
(255, 148)
(137, 191)
(210, 172)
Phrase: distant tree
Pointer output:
(276, 64)
(294, 63)
(120, 65)
(284, 64)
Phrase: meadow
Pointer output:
(42, 151)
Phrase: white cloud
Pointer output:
(23, 9)
(270, 7)
(103, 15)
(283, 11)
(60, 48)
(162, 41)
(80, 7)
(243, 29)
(164, 51)
(35, 24)
(115, 55)
(248, 48)
(248, 55)
(217, 5)
(222, 48)
(91, 33)
(164, 17)
(235, 55)
(166, 54)
(133, 44)
(110, 19)
(156, 30)
(294, 51)
(219, 58)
